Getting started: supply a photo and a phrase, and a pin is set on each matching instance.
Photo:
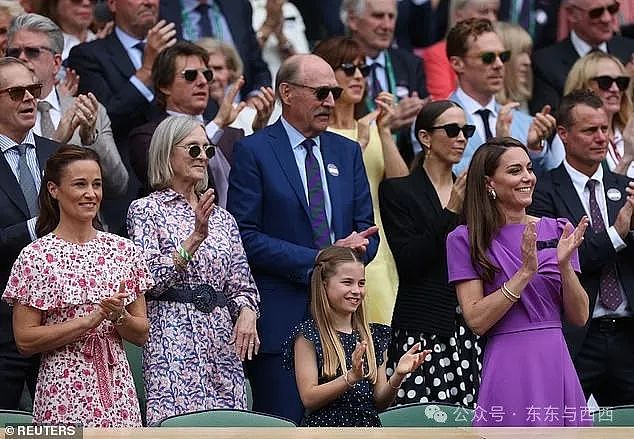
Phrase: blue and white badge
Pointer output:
(332, 169)
(614, 194)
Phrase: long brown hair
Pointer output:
(480, 212)
(55, 167)
(334, 356)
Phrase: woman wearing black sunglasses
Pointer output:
(608, 78)
(418, 212)
(204, 306)
(380, 156)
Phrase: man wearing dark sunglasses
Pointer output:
(81, 120)
(22, 158)
(477, 56)
(592, 28)
(295, 189)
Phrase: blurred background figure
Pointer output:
(9, 9)
(537, 17)
(518, 78)
(606, 76)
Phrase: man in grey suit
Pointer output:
(80, 120)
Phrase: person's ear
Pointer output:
(424, 137)
(285, 93)
(563, 134)
(52, 189)
(457, 64)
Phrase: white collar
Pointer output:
(471, 106)
(296, 138)
(380, 59)
(198, 117)
(126, 39)
(52, 99)
(579, 179)
(584, 48)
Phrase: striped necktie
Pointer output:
(316, 199)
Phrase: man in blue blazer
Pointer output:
(270, 197)
(477, 55)
(18, 218)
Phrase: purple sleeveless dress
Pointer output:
(528, 378)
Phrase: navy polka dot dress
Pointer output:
(354, 408)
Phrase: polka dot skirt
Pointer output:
(450, 375)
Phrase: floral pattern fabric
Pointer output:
(188, 363)
(87, 382)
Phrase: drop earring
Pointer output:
(492, 194)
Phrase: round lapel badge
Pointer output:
(614, 194)
(332, 169)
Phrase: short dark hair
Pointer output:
(573, 99)
(164, 67)
(425, 120)
(458, 36)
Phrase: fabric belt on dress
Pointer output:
(204, 297)
(99, 351)
(613, 324)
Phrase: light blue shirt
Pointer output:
(579, 182)
(296, 138)
(191, 18)
(11, 154)
(136, 57)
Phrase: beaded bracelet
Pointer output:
(184, 253)
(179, 261)
(510, 293)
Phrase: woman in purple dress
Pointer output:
(515, 277)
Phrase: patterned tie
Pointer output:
(140, 46)
(204, 25)
(484, 114)
(46, 123)
(609, 292)
(375, 86)
(27, 183)
(316, 201)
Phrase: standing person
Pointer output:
(602, 349)
(21, 164)
(339, 338)
(204, 305)
(295, 189)
(76, 293)
(418, 212)
(516, 294)
(380, 157)
(606, 76)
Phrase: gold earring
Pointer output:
(492, 194)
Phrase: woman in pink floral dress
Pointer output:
(76, 293)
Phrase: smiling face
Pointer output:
(184, 96)
(79, 191)
(613, 97)
(439, 145)
(345, 289)
(353, 86)
(513, 181)
(73, 15)
(374, 28)
(16, 117)
(586, 141)
(594, 31)
(188, 170)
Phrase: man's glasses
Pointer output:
(30, 52)
(490, 57)
(349, 69)
(17, 93)
(605, 82)
(453, 129)
(194, 150)
(190, 75)
(595, 13)
(321, 93)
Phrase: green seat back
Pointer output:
(620, 416)
(15, 417)
(225, 418)
(135, 359)
(427, 415)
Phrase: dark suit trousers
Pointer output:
(605, 363)
(274, 387)
(14, 374)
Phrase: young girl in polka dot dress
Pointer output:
(339, 358)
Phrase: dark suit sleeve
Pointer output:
(13, 239)
(139, 146)
(245, 201)
(413, 248)
(545, 92)
(126, 106)
(419, 77)
(257, 71)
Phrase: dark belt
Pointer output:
(613, 324)
(204, 297)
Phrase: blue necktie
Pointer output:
(204, 25)
(316, 199)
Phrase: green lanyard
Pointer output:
(391, 83)
(191, 34)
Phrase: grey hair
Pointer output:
(172, 130)
(356, 7)
(234, 62)
(7, 60)
(11, 7)
(38, 23)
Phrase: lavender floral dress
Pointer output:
(188, 363)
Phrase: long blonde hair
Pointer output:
(586, 68)
(518, 41)
(334, 356)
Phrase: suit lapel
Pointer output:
(278, 142)
(567, 193)
(11, 187)
(118, 55)
(330, 158)
(569, 56)
(611, 182)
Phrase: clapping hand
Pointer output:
(357, 241)
(505, 119)
(228, 112)
(203, 211)
(264, 102)
(356, 373)
(529, 248)
(542, 126)
(571, 240)
(411, 360)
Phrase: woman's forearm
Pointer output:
(575, 299)
(394, 164)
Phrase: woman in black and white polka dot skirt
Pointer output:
(418, 212)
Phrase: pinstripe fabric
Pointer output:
(11, 154)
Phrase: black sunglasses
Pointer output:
(30, 52)
(17, 93)
(321, 93)
(490, 57)
(595, 13)
(605, 82)
(453, 129)
(194, 150)
(349, 69)
(190, 75)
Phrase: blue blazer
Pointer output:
(267, 198)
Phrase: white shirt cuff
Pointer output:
(617, 242)
(30, 224)
(143, 89)
(214, 132)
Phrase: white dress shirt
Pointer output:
(584, 48)
(136, 57)
(55, 112)
(471, 106)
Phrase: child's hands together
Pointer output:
(356, 373)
